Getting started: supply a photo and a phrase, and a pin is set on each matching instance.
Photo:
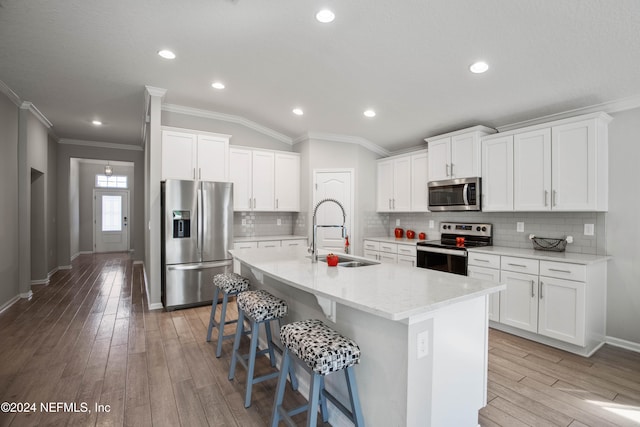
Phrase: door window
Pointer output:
(111, 213)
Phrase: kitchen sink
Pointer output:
(348, 262)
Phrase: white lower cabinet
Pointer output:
(300, 243)
(519, 302)
(393, 253)
(275, 243)
(561, 310)
(487, 267)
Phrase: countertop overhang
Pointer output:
(391, 291)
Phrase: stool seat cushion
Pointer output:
(231, 282)
(320, 347)
(261, 305)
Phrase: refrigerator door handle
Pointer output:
(199, 222)
(200, 266)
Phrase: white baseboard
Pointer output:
(64, 267)
(40, 282)
(26, 294)
(80, 253)
(628, 345)
(9, 303)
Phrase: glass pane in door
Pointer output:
(111, 213)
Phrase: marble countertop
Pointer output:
(570, 257)
(264, 238)
(391, 291)
(401, 241)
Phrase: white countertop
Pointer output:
(391, 291)
(401, 241)
(570, 257)
(264, 238)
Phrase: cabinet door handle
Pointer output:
(546, 197)
(554, 197)
(452, 170)
(481, 260)
(559, 271)
(517, 265)
(254, 203)
(250, 203)
(447, 168)
(533, 294)
(541, 284)
(394, 203)
(276, 203)
(389, 204)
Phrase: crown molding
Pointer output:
(332, 137)
(10, 94)
(26, 105)
(606, 107)
(99, 144)
(180, 109)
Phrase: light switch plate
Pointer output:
(432, 223)
(278, 221)
(520, 227)
(398, 222)
(588, 229)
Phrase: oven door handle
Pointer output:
(454, 252)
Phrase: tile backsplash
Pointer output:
(251, 224)
(545, 224)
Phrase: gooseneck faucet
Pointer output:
(312, 249)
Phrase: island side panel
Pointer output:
(382, 374)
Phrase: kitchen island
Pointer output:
(423, 333)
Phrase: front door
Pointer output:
(333, 185)
(111, 219)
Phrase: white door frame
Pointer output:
(351, 227)
(95, 218)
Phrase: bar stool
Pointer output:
(259, 308)
(230, 284)
(320, 351)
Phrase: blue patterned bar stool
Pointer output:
(320, 351)
(259, 308)
(229, 284)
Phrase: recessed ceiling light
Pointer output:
(370, 113)
(217, 85)
(479, 67)
(298, 111)
(325, 16)
(97, 123)
(166, 54)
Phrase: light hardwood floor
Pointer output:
(89, 337)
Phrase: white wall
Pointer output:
(9, 200)
(623, 228)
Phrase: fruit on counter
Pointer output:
(332, 259)
(411, 234)
(399, 232)
(422, 235)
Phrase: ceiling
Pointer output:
(78, 60)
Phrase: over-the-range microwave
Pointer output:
(461, 194)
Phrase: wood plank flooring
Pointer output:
(89, 337)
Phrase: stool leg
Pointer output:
(222, 322)
(314, 392)
(214, 305)
(323, 402)
(252, 362)
(282, 380)
(236, 344)
(356, 410)
(272, 357)
(292, 373)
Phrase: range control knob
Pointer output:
(478, 228)
(484, 228)
(444, 227)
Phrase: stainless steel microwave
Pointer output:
(461, 194)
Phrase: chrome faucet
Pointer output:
(312, 248)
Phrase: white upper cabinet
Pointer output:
(497, 174)
(194, 155)
(419, 180)
(287, 182)
(394, 184)
(456, 154)
(264, 180)
(532, 170)
(558, 166)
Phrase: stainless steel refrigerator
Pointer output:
(197, 234)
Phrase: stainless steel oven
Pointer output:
(461, 194)
(449, 254)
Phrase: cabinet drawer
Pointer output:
(370, 254)
(563, 270)
(391, 248)
(389, 258)
(294, 243)
(520, 265)
(371, 245)
(407, 260)
(407, 250)
(269, 244)
(245, 245)
(484, 260)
